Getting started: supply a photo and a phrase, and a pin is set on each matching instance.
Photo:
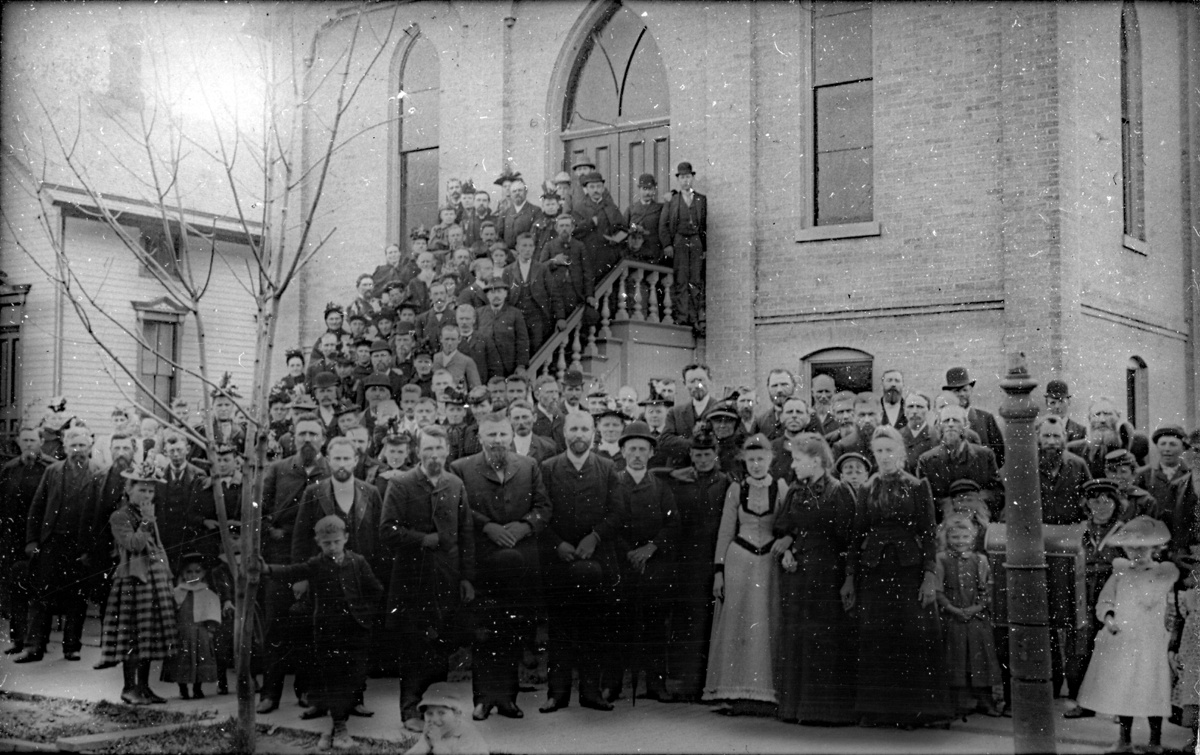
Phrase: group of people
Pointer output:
(820, 559)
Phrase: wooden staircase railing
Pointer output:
(636, 299)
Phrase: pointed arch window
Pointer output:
(1132, 153)
(420, 82)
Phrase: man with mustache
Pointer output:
(823, 419)
(1107, 433)
(525, 441)
(681, 421)
(284, 483)
(1058, 403)
(892, 402)
(781, 385)
(428, 526)
(590, 507)
(511, 509)
(959, 382)
(954, 458)
(866, 419)
(918, 432)
(1061, 474)
(58, 541)
(519, 215)
(357, 504)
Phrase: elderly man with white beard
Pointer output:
(509, 508)
(1107, 432)
(955, 458)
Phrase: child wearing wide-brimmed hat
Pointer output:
(1129, 673)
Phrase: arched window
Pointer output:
(1137, 393)
(616, 105)
(851, 369)
(420, 85)
(1132, 155)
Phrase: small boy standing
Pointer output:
(448, 731)
(346, 596)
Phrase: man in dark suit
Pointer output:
(58, 541)
(1106, 433)
(428, 526)
(684, 221)
(284, 483)
(823, 419)
(580, 564)
(1058, 403)
(180, 500)
(955, 459)
(599, 226)
(530, 292)
(505, 327)
(682, 418)
(571, 269)
(19, 480)
(643, 216)
(858, 439)
(510, 509)
(547, 414)
(892, 402)
(918, 432)
(781, 385)
(525, 441)
(472, 344)
(473, 220)
(429, 323)
(519, 216)
(959, 382)
(1171, 442)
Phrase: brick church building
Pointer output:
(890, 184)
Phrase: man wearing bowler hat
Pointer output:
(642, 216)
(959, 382)
(684, 225)
(504, 326)
(1058, 403)
(598, 224)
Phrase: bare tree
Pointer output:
(277, 213)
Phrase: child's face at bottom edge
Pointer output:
(440, 716)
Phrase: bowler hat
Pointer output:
(582, 162)
(591, 177)
(573, 379)
(378, 380)
(495, 283)
(684, 167)
(324, 380)
(1140, 531)
(1057, 389)
(957, 377)
(637, 430)
(1173, 431)
(380, 344)
(647, 181)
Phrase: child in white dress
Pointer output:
(1129, 673)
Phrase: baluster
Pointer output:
(622, 285)
(668, 281)
(576, 348)
(652, 297)
(592, 351)
(636, 314)
(562, 360)
(605, 319)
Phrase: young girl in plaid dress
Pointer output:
(139, 622)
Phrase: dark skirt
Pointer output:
(901, 659)
(814, 672)
(195, 661)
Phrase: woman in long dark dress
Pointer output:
(814, 670)
(901, 661)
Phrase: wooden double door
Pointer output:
(621, 155)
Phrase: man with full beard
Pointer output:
(956, 459)
(112, 493)
(1061, 473)
(581, 568)
(959, 382)
(510, 510)
(283, 485)
(892, 402)
(866, 419)
(353, 501)
(427, 524)
(1106, 433)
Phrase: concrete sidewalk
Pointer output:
(648, 727)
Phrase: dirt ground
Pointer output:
(47, 719)
(200, 740)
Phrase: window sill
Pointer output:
(831, 232)
(1135, 245)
